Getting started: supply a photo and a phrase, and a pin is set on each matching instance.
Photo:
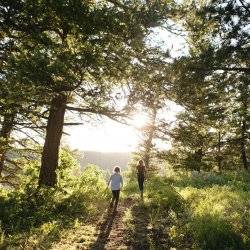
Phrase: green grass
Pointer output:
(33, 217)
(205, 211)
(183, 211)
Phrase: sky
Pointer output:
(110, 136)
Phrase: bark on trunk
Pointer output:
(219, 156)
(243, 146)
(148, 142)
(5, 132)
(245, 109)
(198, 158)
(50, 154)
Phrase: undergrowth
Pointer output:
(187, 211)
(181, 210)
(32, 216)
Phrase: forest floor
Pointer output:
(126, 228)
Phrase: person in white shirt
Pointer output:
(116, 181)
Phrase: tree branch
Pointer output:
(120, 5)
(73, 123)
(241, 69)
(244, 6)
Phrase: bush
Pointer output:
(42, 210)
(236, 180)
(211, 232)
(89, 193)
(209, 211)
(164, 196)
(218, 209)
(1, 236)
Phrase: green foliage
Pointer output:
(91, 189)
(236, 180)
(193, 211)
(225, 205)
(218, 208)
(131, 188)
(68, 169)
(44, 211)
(163, 196)
(213, 232)
(212, 84)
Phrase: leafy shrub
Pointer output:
(89, 192)
(46, 209)
(164, 196)
(236, 180)
(131, 189)
(211, 232)
(219, 210)
(209, 211)
(1, 236)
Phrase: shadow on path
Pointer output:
(141, 234)
(104, 229)
(138, 233)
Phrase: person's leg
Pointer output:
(117, 195)
(141, 182)
(113, 198)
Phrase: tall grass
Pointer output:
(200, 210)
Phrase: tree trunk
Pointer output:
(50, 154)
(245, 109)
(198, 158)
(219, 156)
(243, 146)
(7, 127)
(149, 139)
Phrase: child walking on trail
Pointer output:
(116, 181)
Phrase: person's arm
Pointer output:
(121, 182)
(109, 180)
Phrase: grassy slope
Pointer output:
(180, 211)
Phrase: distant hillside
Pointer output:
(103, 160)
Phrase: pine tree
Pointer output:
(76, 48)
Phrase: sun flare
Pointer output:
(139, 120)
(106, 137)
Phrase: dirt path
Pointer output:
(107, 233)
(128, 228)
(111, 228)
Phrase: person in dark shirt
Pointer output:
(141, 175)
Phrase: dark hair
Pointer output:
(141, 162)
(117, 169)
